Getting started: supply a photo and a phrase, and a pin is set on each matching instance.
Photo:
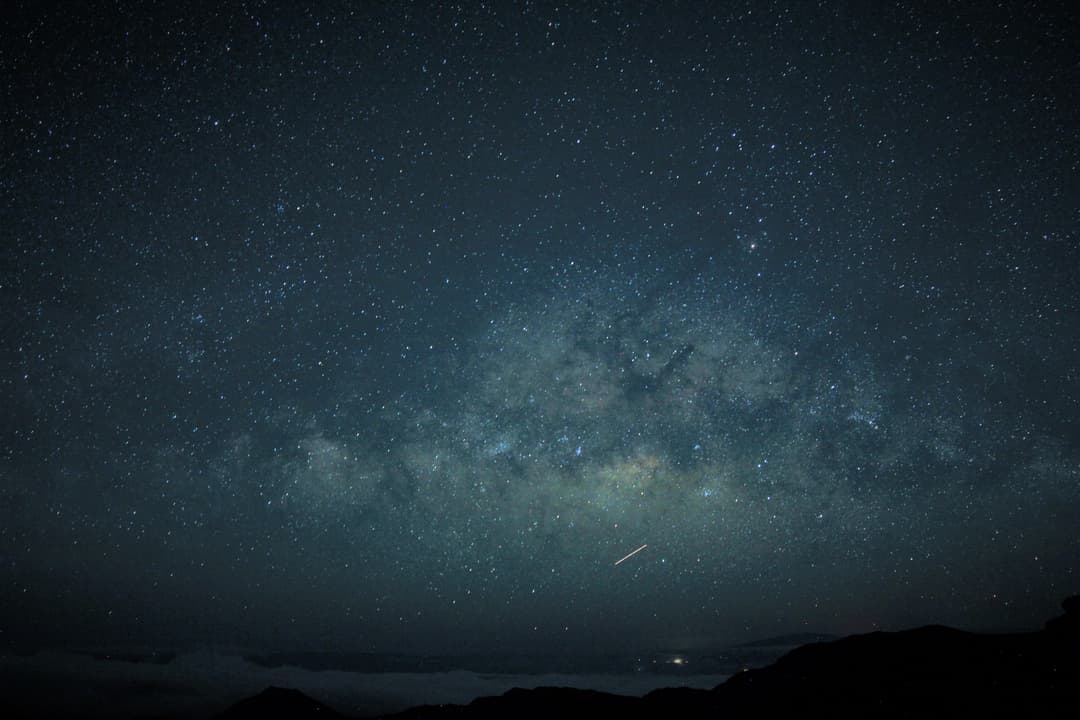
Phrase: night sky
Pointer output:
(383, 327)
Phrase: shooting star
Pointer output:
(627, 557)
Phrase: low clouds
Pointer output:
(202, 684)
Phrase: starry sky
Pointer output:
(391, 327)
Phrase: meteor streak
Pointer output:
(627, 557)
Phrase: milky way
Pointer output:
(381, 329)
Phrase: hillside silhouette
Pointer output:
(931, 671)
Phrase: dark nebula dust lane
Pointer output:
(394, 328)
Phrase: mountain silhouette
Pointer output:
(932, 671)
(276, 703)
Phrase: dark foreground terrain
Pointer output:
(932, 671)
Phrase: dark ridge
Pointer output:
(789, 640)
(932, 671)
(542, 702)
(276, 703)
